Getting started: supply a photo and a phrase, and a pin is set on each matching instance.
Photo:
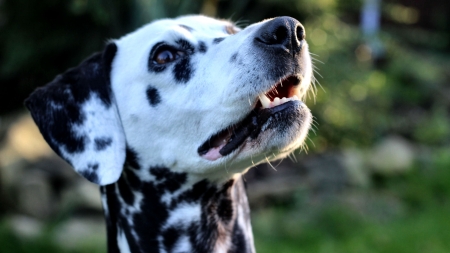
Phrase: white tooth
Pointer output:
(265, 101)
(283, 100)
(276, 101)
(295, 97)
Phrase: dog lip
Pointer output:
(229, 139)
(281, 95)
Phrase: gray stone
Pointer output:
(78, 232)
(25, 226)
(82, 194)
(393, 155)
(355, 163)
(35, 196)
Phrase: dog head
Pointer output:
(193, 94)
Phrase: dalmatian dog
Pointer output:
(168, 118)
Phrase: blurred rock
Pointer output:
(81, 231)
(393, 155)
(25, 226)
(374, 206)
(326, 173)
(23, 144)
(34, 180)
(356, 166)
(25, 138)
(83, 194)
(35, 196)
(321, 175)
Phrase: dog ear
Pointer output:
(77, 115)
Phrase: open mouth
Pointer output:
(281, 96)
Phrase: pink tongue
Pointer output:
(213, 154)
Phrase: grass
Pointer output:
(423, 226)
(11, 243)
(338, 231)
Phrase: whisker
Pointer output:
(295, 158)
(317, 72)
(317, 60)
(267, 160)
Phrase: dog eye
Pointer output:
(166, 55)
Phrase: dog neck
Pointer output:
(173, 213)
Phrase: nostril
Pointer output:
(284, 33)
(280, 35)
(300, 33)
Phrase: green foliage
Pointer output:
(425, 193)
(11, 243)
(360, 102)
(44, 243)
(40, 39)
(428, 184)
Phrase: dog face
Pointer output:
(193, 94)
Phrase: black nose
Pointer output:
(283, 32)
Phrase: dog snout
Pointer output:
(283, 33)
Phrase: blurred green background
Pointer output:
(375, 177)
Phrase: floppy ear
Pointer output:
(77, 116)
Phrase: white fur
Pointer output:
(100, 122)
(122, 241)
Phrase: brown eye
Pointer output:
(166, 55)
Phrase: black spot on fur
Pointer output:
(56, 107)
(93, 166)
(153, 96)
(221, 204)
(125, 191)
(111, 217)
(210, 198)
(183, 70)
(202, 48)
(190, 29)
(238, 240)
(131, 159)
(218, 40)
(168, 180)
(102, 143)
(193, 195)
(233, 57)
(133, 180)
(148, 223)
(108, 56)
(114, 219)
(170, 237)
(225, 209)
(210, 236)
(90, 175)
(185, 46)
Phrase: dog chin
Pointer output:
(275, 141)
(278, 142)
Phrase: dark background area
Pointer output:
(376, 174)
